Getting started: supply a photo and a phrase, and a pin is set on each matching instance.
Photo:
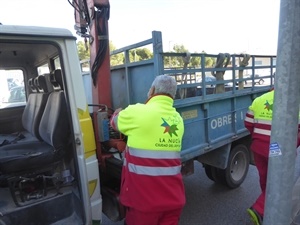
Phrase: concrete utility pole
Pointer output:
(285, 117)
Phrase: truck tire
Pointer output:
(237, 167)
(214, 174)
(208, 171)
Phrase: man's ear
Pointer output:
(151, 92)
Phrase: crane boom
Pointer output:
(91, 18)
(91, 23)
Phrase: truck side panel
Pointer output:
(129, 84)
(211, 119)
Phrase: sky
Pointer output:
(213, 26)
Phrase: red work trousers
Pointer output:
(261, 163)
(136, 217)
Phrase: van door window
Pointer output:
(57, 63)
(12, 91)
(43, 69)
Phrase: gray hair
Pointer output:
(165, 84)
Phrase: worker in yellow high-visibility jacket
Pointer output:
(152, 188)
(258, 121)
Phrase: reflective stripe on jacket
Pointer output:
(151, 175)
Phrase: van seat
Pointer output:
(32, 114)
(54, 130)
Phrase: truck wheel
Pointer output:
(214, 174)
(208, 171)
(237, 167)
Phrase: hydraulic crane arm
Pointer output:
(91, 17)
(91, 23)
(85, 13)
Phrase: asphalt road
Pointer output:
(209, 203)
(212, 204)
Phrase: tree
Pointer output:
(139, 54)
(84, 54)
(179, 49)
(177, 61)
(195, 61)
(83, 50)
(135, 55)
(209, 61)
(115, 59)
(144, 53)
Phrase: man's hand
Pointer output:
(111, 120)
(117, 110)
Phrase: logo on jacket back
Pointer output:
(170, 126)
(171, 129)
(268, 106)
